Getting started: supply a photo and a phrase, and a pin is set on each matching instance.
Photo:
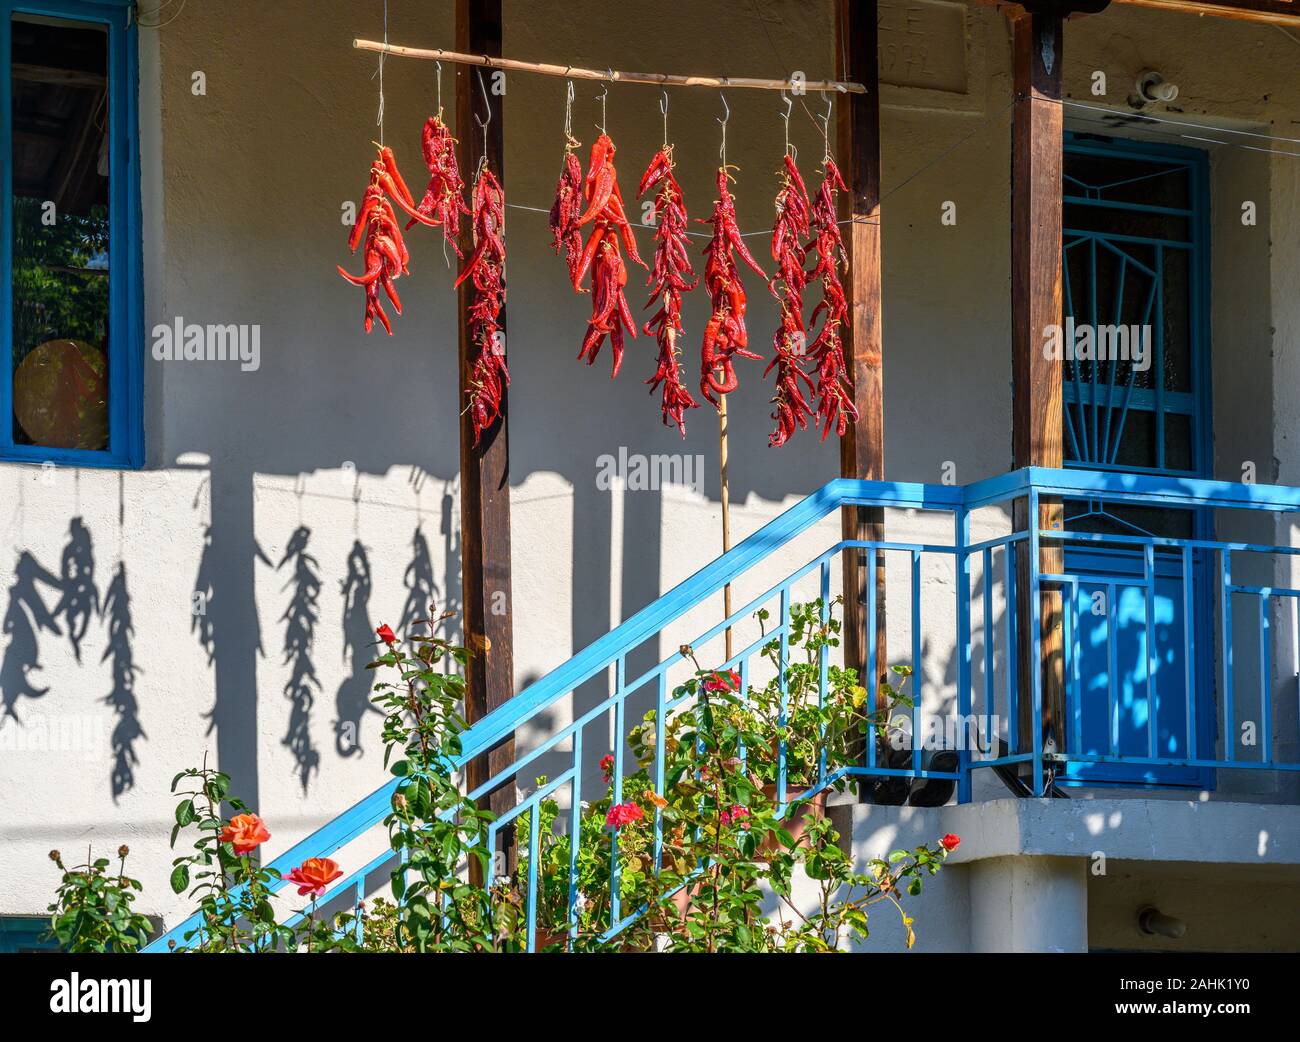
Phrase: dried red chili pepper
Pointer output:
(724, 334)
(488, 377)
(791, 226)
(442, 201)
(567, 209)
(385, 252)
(670, 276)
(834, 392)
(610, 315)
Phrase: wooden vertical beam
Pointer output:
(862, 449)
(485, 468)
(1036, 303)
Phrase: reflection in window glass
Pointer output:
(59, 79)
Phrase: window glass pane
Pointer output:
(1178, 441)
(59, 79)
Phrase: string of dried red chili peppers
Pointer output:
(442, 202)
(488, 376)
(670, 276)
(385, 253)
(834, 394)
(566, 211)
(789, 231)
(724, 334)
(610, 315)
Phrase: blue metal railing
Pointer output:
(998, 694)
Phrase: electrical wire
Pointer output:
(163, 5)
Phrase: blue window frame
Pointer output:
(1136, 253)
(71, 352)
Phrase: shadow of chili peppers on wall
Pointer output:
(26, 615)
(353, 699)
(122, 698)
(300, 619)
(80, 601)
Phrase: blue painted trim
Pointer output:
(126, 263)
(26, 933)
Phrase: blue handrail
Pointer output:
(709, 580)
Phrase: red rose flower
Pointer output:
(720, 680)
(623, 814)
(386, 634)
(950, 842)
(246, 832)
(314, 875)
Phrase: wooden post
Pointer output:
(1036, 303)
(862, 449)
(485, 468)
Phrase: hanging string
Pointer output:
(380, 118)
(663, 107)
(438, 74)
(604, 95)
(568, 113)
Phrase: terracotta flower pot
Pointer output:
(796, 818)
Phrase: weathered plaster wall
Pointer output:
(349, 443)
(1260, 911)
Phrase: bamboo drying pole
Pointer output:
(657, 79)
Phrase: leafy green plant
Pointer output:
(232, 888)
(439, 833)
(92, 910)
(820, 734)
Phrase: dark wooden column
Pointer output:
(862, 449)
(485, 468)
(1036, 293)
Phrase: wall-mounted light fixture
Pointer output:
(1152, 88)
(1153, 921)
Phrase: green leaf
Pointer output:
(180, 878)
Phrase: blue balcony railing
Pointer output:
(1142, 684)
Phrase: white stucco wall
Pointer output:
(354, 439)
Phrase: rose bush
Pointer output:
(687, 852)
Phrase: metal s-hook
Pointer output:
(789, 107)
(604, 96)
(726, 118)
(568, 112)
(826, 126)
(663, 107)
(483, 123)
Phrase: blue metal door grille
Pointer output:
(1134, 257)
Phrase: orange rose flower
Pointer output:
(246, 832)
(314, 875)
